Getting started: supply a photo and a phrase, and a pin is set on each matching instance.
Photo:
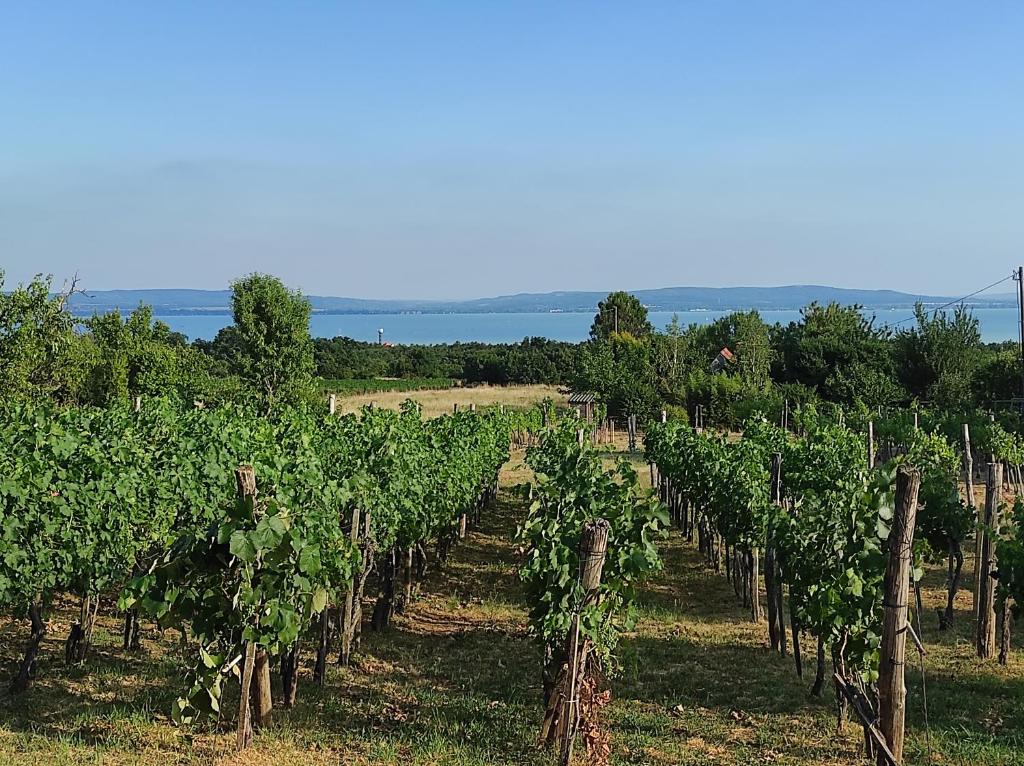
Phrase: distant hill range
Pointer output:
(170, 302)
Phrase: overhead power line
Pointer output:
(956, 301)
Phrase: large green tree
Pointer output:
(39, 356)
(840, 354)
(136, 355)
(274, 350)
(939, 357)
(623, 313)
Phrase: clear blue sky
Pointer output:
(456, 149)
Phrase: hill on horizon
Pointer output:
(788, 297)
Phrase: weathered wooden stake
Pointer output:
(348, 611)
(753, 583)
(986, 635)
(256, 672)
(593, 546)
(243, 737)
(969, 491)
(892, 693)
(264, 703)
(871, 444)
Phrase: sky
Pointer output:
(464, 148)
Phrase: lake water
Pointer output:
(996, 324)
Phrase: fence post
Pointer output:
(332, 403)
(871, 444)
(892, 693)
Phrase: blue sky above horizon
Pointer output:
(464, 149)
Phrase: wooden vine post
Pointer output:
(348, 607)
(986, 635)
(972, 504)
(871, 444)
(772, 572)
(332, 403)
(892, 693)
(245, 479)
(562, 716)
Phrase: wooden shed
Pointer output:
(584, 403)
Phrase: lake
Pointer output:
(997, 324)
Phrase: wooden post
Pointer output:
(407, 579)
(348, 609)
(754, 583)
(262, 699)
(891, 691)
(455, 408)
(138, 404)
(332, 403)
(986, 635)
(243, 737)
(245, 483)
(593, 546)
(472, 408)
(972, 505)
(871, 444)
(664, 416)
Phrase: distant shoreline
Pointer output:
(81, 311)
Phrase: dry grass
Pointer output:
(439, 402)
(456, 681)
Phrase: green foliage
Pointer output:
(829, 532)
(274, 350)
(620, 314)
(620, 372)
(137, 356)
(573, 488)
(838, 352)
(91, 497)
(38, 358)
(940, 357)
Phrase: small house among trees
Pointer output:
(725, 356)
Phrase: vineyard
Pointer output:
(380, 587)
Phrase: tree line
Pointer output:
(833, 353)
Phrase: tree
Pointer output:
(38, 350)
(623, 313)
(136, 355)
(839, 353)
(620, 372)
(940, 356)
(275, 352)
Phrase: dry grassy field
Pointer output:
(439, 402)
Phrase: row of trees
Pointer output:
(47, 354)
(833, 353)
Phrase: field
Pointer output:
(456, 680)
(440, 402)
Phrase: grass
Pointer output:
(457, 681)
(438, 402)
